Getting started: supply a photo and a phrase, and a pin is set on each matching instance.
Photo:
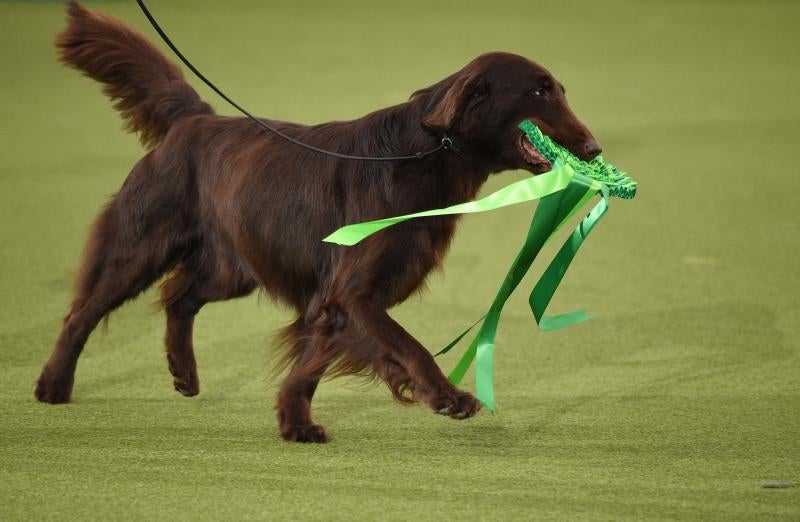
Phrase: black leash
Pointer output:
(446, 144)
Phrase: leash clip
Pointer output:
(447, 144)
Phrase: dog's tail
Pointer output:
(147, 89)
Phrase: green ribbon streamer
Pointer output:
(520, 192)
(553, 211)
(551, 278)
(562, 192)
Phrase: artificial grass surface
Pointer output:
(677, 402)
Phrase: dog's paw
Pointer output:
(53, 390)
(187, 388)
(184, 380)
(305, 433)
(458, 405)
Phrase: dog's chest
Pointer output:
(412, 252)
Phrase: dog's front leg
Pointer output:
(406, 365)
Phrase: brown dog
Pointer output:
(224, 207)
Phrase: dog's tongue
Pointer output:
(531, 153)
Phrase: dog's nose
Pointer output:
(593, 149)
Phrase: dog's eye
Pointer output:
(539, 92)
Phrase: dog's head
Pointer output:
(480, 107)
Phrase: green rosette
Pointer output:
(619, 184)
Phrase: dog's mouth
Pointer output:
(535, 160)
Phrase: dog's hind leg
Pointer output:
(196, 281)
(134, 241)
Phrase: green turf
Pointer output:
(676, 402)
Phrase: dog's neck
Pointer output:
(448, 176)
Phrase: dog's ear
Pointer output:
(467, 91)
